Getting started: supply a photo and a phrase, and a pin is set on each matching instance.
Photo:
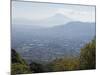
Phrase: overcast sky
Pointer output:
(33, 11)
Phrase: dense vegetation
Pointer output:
(88, 56)
(87, 60)
(64, 64)
(18, 65)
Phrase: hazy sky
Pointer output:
(32, 11)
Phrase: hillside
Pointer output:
(86, 60)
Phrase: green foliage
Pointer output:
(16, 58)
(18, 68)
(87, 60)
(18, 65)
(64, 64)
(88, 56)
(36, 67)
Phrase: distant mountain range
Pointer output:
(68, 30)
(57, 19)
(47, 35)
(73, 29)
(49, 43)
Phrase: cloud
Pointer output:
(75, 15)
(34, 11)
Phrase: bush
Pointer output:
(88, 56)
(16, 58)
(18, 65)
(36, 67)
(64, 64)
(18, 68)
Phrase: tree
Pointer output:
(88, 56)
(16, 58)
(18, 65)
(18, 68)
(36, 67)
(64, 64)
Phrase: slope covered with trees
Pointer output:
(88, 56)
(18, 65)
(86, 60)
(64, 64)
